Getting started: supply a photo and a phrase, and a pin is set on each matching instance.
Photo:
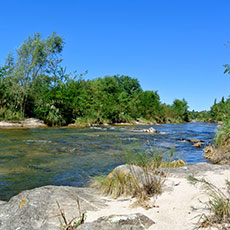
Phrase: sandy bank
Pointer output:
(176, 208)
(179, 206)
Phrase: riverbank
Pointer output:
(69, 156)
(177, 208)
(36, 123)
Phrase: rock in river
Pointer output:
(150, 130)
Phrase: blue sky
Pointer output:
(175, 47)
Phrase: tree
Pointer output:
(181, 109)
(34, 58)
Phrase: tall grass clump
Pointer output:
(222, 138)
(139, 177)
(218, 204)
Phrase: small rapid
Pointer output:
(70, 156)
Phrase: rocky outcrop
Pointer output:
(37, 209)
(32, 123)
(217, 156)
(7, 124)
(135, 221)
(198, 169)
(27, 123)
(208, 152)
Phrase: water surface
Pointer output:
(69, 156)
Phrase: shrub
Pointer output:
(222, 137)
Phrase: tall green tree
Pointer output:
(181, 109)
(34, 58)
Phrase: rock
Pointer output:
(198, 145)
(137, 172)
(198, 169)
(217, 155)
(28, 123)
(32, 123)
(150, 130)
(194, 140)
(181, 139)
(6, 124)
(208, 152)
(2, 202)
(37, 209)
(137, 128)
(135, 221)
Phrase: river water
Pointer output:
(70, 156)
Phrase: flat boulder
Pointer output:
(27, 123)
(194, 141)
(37, 209)
(8, 124)
(134, 221)
(32, 123)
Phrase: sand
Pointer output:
(178, 207)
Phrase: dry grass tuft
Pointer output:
(74, 223)
(115, 184)
(140, 177)
(218, 204)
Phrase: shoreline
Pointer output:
(36, 123)
(175, 208)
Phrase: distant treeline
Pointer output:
(33, 83)
(220, 111)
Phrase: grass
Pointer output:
(222, 138)
(218, 204)
(74, 223)
(116, 184)
(219, 153)
(139, 178)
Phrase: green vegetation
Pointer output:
(222, 138)
(220, 112)
(75, 222)
(218, 204)
(140, 177)
(33, 83)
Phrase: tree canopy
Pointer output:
(33, 83)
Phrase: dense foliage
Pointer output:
(33, 83)
(220, 112)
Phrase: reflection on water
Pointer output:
(34, 157)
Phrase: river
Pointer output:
(31, 158)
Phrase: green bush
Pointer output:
(222, 138)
